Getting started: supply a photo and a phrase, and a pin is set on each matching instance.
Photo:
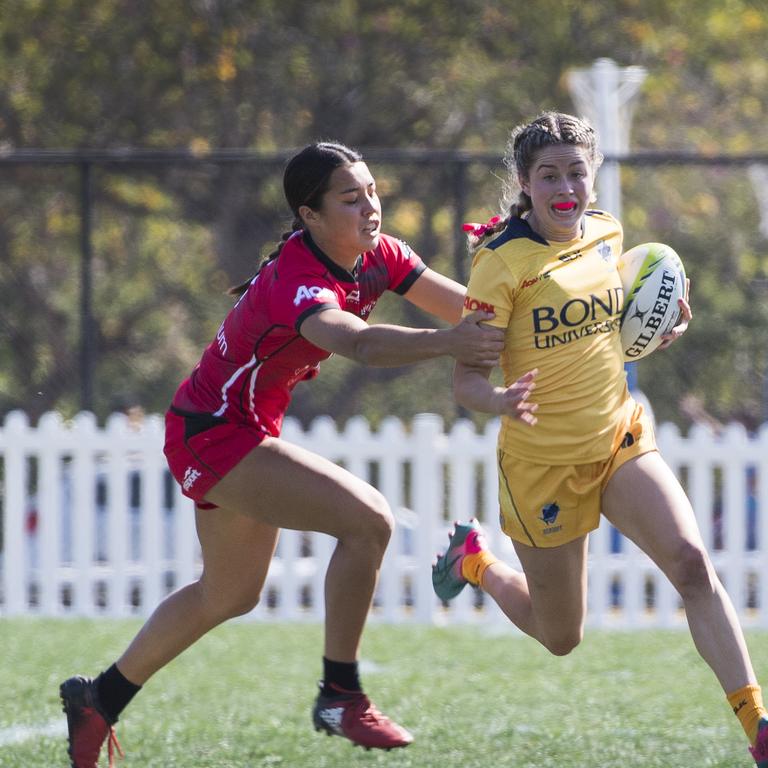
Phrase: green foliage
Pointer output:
(143, 342)
(473, 698)
(271, 76)
(709, 218)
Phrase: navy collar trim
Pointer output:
(517, 228)
(335, 269)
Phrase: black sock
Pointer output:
(115, 691)
(341, 674)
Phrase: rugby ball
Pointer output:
(653, 278)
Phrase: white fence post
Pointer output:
(427, 503)
(119, 530)
(13, 444)
(84, 513)
(396, 576)
(49, 519)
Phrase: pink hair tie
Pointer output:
(481, 230)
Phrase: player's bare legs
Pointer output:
(277, 485)
(236, 552)
(549, 600)
(283, 485)
(296, 489)
(645, 502)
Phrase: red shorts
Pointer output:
(201, 449)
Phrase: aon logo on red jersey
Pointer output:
(309, 292)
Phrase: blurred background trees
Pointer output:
(270, 76)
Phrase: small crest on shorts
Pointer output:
(549, 513)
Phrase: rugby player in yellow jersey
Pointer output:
(573, 443)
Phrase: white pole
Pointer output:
(605, 94)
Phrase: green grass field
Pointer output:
(473, 699)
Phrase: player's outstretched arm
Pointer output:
(473, 389)
(438, 295)
(470, 341)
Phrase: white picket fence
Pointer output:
(93, 525)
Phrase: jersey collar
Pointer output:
(518, 227)
(336, 270)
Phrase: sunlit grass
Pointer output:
(241, 697)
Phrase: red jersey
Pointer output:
(247, 373)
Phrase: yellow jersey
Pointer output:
(560, 303)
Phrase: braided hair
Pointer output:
(525, 142)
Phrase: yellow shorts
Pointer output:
(545, 506)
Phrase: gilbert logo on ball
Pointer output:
(653, 279)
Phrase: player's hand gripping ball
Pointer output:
(653, 278)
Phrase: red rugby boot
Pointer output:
(760, 750)
(87, 724)
(353, 716)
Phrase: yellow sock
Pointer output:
(473, 566)
(747, 705)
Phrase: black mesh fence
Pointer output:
(114, 269)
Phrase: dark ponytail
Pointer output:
(239, 290)
(305, 182)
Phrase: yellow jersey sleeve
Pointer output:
(490, 287)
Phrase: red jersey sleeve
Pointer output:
(303, 299)
(403, 263)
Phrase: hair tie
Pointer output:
(481, 230)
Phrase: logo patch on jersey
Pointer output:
(474, 304)
(221, 339)
(533, 280)
(309, 292)
(606, 254)
(406, 249)
(190, 476)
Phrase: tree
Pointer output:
(271, 76)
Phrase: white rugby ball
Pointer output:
(653, 278)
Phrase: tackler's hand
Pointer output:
(476, 343)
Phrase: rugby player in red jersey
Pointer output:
(310, 299)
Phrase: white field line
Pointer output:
(16, 734)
